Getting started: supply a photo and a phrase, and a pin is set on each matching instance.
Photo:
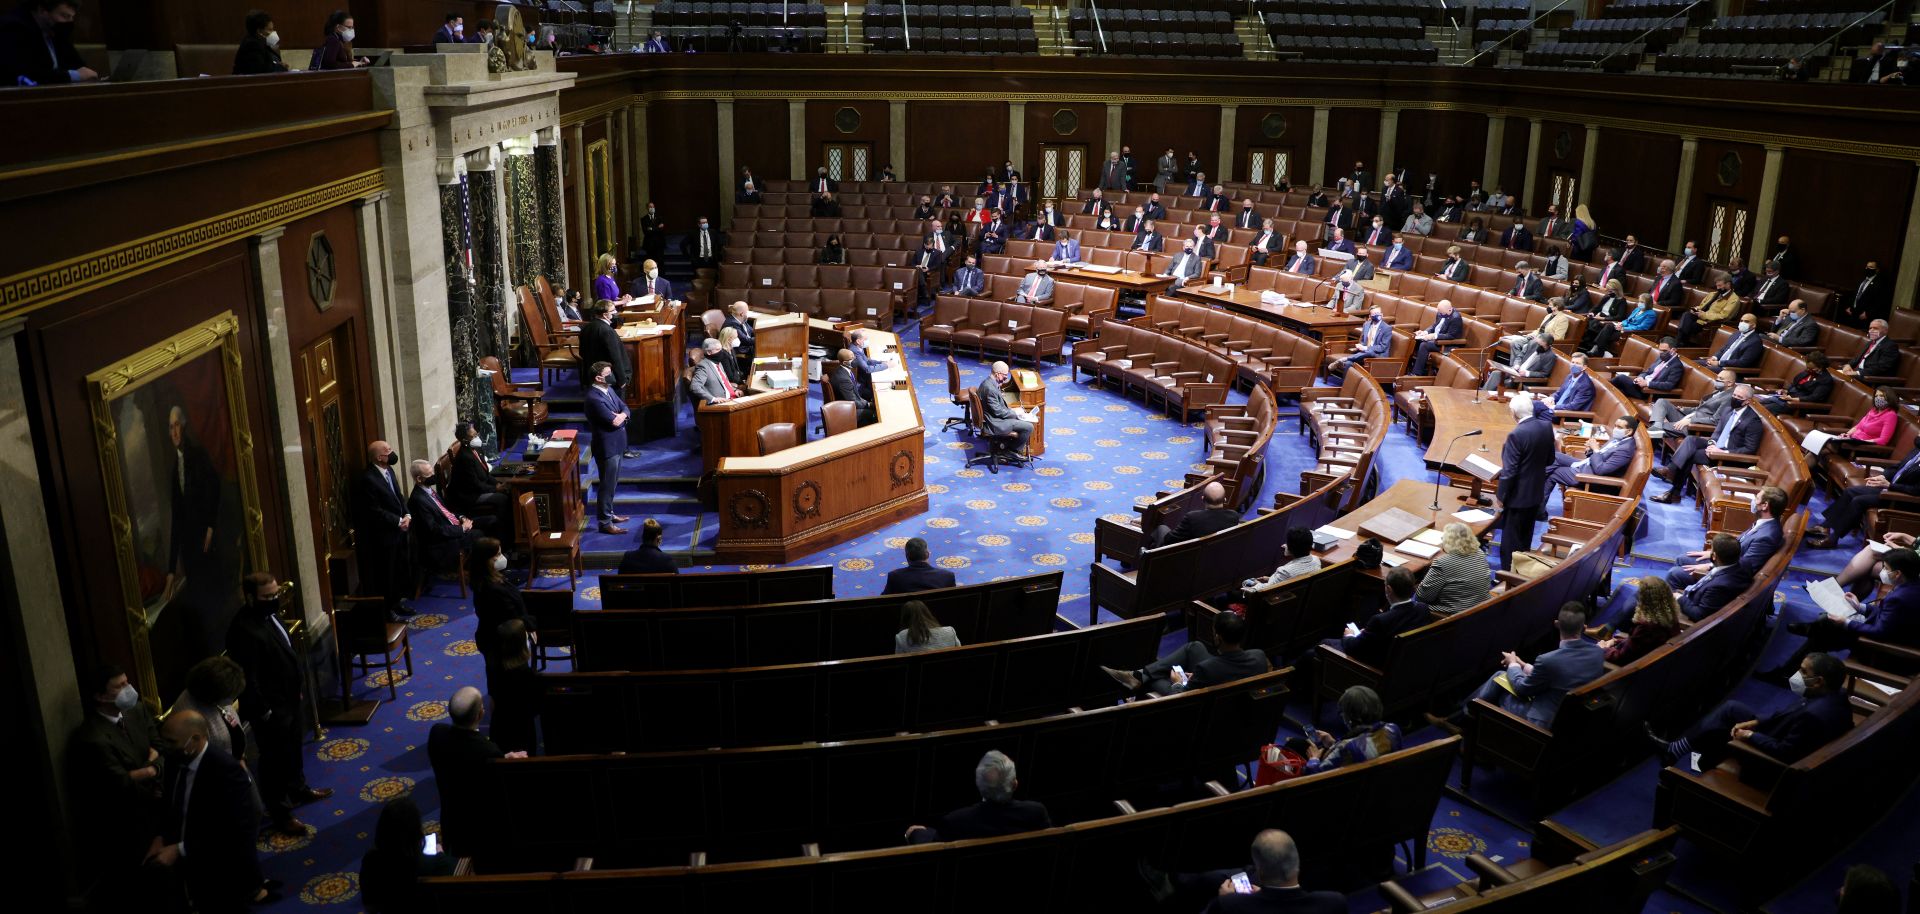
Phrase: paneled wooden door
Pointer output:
(1063, 172)
(334, 435)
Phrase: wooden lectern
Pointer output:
(656, 345)
(1033, 396)
(554, 482)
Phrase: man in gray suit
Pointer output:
(1610, 459)
(1185, 267)
(1165, 169)
(997, 416)
(1037, 288)
(1348, 280)
(1671, 421)
(1534, 690)
(1795, 328)
(707, 382)
(1534, 365)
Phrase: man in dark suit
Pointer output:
(1758, 542)
(36, 45)
(1113, 174)
(1337, 216)
(1447, 325)
(1377, 233)
(648, 557)
(1524, 463)
(471, 489)
(1661, 376)
(1302, 262)
(380, 524)
(968, 280)
(740, 318)
(824, 207)
(1724, 580)
(705, 246)
(1879, 358)
(1094, 204)
(1148, 239)
(1894, 618)
(1368, 642)
(997, 813)
(1852, 503)
(452, 32)
(1535, 690)
(822, 184)
(749, 191)
(1773, 291)
(1575, 393)
(1786, 259)
(440, 536)
(459, 754)
(1211, 519)
(919, 574)
(1456, 267)
(1795, 328)
(1195, 665)
(1246, 218)
(1527, 285)
(1743, 349)
(607, 416)
(271, 701)
(1633, 258)
(599, 342)
(193, 503)
(1692, 267)
(840, 376)
(996, 416)
(1871, 298)
(993, 236)
(1516, 238)
(115, 776)
(1610, 459)
(210, 820)
(1155, 210)
(1821, 716)
(1275, 877)
(1266, 243)
(1737, 432)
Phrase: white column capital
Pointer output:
(450, 169)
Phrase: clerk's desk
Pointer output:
(656, 343)
(780, 335)
(1030, 394)
(731, 429)
(824, 492)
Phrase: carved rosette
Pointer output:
(806, 500)
(900, 468)
(749, 508)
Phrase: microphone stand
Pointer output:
(1440, 475)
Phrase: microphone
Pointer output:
(1440, 476)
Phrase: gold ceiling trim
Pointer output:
(44, 285)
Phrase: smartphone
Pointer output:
(433, 845)
(1241, 884)
(1177, 669)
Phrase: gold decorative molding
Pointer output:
(41, 286)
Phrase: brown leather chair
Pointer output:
(778, 436)
(365, 631)
(957, 395)
(836, 417)
(538, 542)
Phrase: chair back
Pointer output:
(839, 416)
(362, 622)
(954, 390)
(526, 519)
(777, 436)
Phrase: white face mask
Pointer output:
(273, 39)
(126, 698)
(499, 563)
(1798, 683)
(1886, 576)
(346, 35)
(474, 442)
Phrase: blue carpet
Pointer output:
(1104, 454)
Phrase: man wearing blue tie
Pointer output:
(1758, 542)
(1576, 392)
(968, 280)
(1398, 257)
(1066, 251)
(1375, 342)
(1738, 432)
(1199, 187)
(1610, 459)
(607, 418)
(1743, 350)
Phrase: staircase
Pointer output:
(1253, 38)
(1050, 29)
(844, 32)
(1454, 45)
(632, 24)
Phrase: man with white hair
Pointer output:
(459, 754)
(1524, 464)
(998, 418)
(708, 383)
(1037, 288)
(997, 813)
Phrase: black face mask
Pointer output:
(266, 606)
(393, 459)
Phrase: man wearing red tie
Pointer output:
(1379, 235)
(440, 534)
(1301, 262)
(1668, 291)
(823, 184)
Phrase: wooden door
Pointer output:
(334, 436)
(1063, 172)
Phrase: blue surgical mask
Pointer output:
(1798, 683)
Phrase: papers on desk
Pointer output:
(1474, 515)
(1815, 440)
(555, 443)
(1270, 297)
(1098, 268)
(1831, 599)
(780, 380)
(647, 299)
(1479, 467)
(1879, 548)
(1391, 560)
(1336, 532)
(1418, 549)
(1429, 536)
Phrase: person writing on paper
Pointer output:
(1534, 690)
(1524, 462)
(1195, 665)
(1299, 560)
(1368, 737)
(1535, 365)
(1459, 577)
(1655, 620)
(1610, 459)
(1758, 542)
(997, 416)
(1214, 517)
(1368, 643)
(1821, 716)
(1185, 267)
(1894, 618)
(1813, 385)
(1348, 282)
(1851, 504)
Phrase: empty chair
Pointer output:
(777, 436)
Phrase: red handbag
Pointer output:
(1278, 763)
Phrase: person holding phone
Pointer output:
(1270, 884)
(401, 854)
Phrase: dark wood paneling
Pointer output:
(1822, 183)
(955, 141)
(761, 137)
(1513, 159)
(681, 165)
(1249, 131)
(1353, 135)
(1563, 148)
(1449, 144)
(1187, 128)
(1723, 171)
(1633, 184)
(874, 127)
(1089, 124)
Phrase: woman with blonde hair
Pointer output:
(1655, 618)
(1459, 577)
(921, 631)
(730, 347)
(605, 286)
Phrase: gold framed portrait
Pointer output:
(176, 463)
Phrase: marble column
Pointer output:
(639, 187)
(723, 128)
(42, 663)
(466, 321)
(286, 415)
(1017, 135)
(628, 209)
(1589, 159)
(1683, 193)
(553, 208)
(1531, 179)
(1496, 141)
(1111, 141)
(521, 184)
(797, 144)
(486, 216)
(1317, 153)
(1389, 135)
(896, 141)
(1906, 281)
(1229, 117)
(376, 272)
(577, 164)
(1763, 213)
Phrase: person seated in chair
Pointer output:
(997, 418)
(1743, 349)
(1373, 341)
(918, 574)
(1535, 365)
(1758, 542)
(472, 490)
(839, 374)
(1714, 589)
(967, 281)
(1610, 459)
(997, 813)
(1575, 393)
(439, 535)
(1660, 377)
(1273, 882)
(1214, 517)
(1299, 560)
(1894, 618)
(1368, 642)
(1737, 432)
(648, 557)
(1195, 665)
(1821, 716)
(1534, 690)
(1814, 385)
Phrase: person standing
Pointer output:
(272, 700)
(115, 773)
(1524, 463)
(209, 831)
(380, 525)
(607, 416)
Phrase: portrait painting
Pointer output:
(177, 464)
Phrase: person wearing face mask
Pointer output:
(1814, 385)
(453, 31)
(607, 416)
(259, 51)
(495, 600)
(1881, 421)
(208, 832)
(213, 690)
(271, 701)
(1675, 423)
(380, 525)
(1692, 267)
(115, 768)
(470, 485)
(1736, 432)
(1743, 349)
(1758, 542)
(571, 304)
(833, 253)
(1851, 504)
(36, 45)
(705, 245)
(439, 533)
(653, 232)
(1661, 376)
(1871, 298)
(336, 49)
(606, 282)
(1820, 716)
(650, 282)
(1610, 459)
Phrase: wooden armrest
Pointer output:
(1492, 875)
(1236, 344)
(1756, 767)
(1589, 479)
(1399, 900)
(1742, 459)
(1156, 366)
(1214, 788)
(1260, 352)
(1508, 578)
(1574, 414)
(1166, 325)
